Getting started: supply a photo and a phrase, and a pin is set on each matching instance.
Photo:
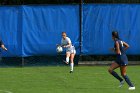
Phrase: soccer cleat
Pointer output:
(121, 84)
(65, 62)
(131, 88)
(71, 71)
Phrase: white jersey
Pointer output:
(67, 41)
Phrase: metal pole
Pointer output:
(80, 25)
(81, 22)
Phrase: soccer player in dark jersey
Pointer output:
(121, 60)
(2, 45)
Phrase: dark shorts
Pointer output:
(122, 60)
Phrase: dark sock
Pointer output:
(116, 76)
(128, 81)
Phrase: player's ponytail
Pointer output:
(115, 34)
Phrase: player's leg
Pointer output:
(123, 73)
(111, 69)
(67, 57)
(72, 62)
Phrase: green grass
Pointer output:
(93, 79)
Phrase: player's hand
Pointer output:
(3, 47)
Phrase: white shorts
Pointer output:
(71, 50)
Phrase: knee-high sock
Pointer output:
(71, 66)
(67, 59)
(116, 76)
(128, 81)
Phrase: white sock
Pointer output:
(71, 66)
(67, 59)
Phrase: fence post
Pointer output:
(81, 22)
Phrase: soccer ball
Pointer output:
(59, 49)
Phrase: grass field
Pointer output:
(85, 79)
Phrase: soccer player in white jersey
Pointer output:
(70, 50)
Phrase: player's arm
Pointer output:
(68, 45)
(126, 46)
(3, 47)
(117, 48)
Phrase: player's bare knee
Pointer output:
(123, 74)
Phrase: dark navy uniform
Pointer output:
(121, 58)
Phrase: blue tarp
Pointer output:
(35, 30)
(43, 25)
(99, 20)
(10, 30)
